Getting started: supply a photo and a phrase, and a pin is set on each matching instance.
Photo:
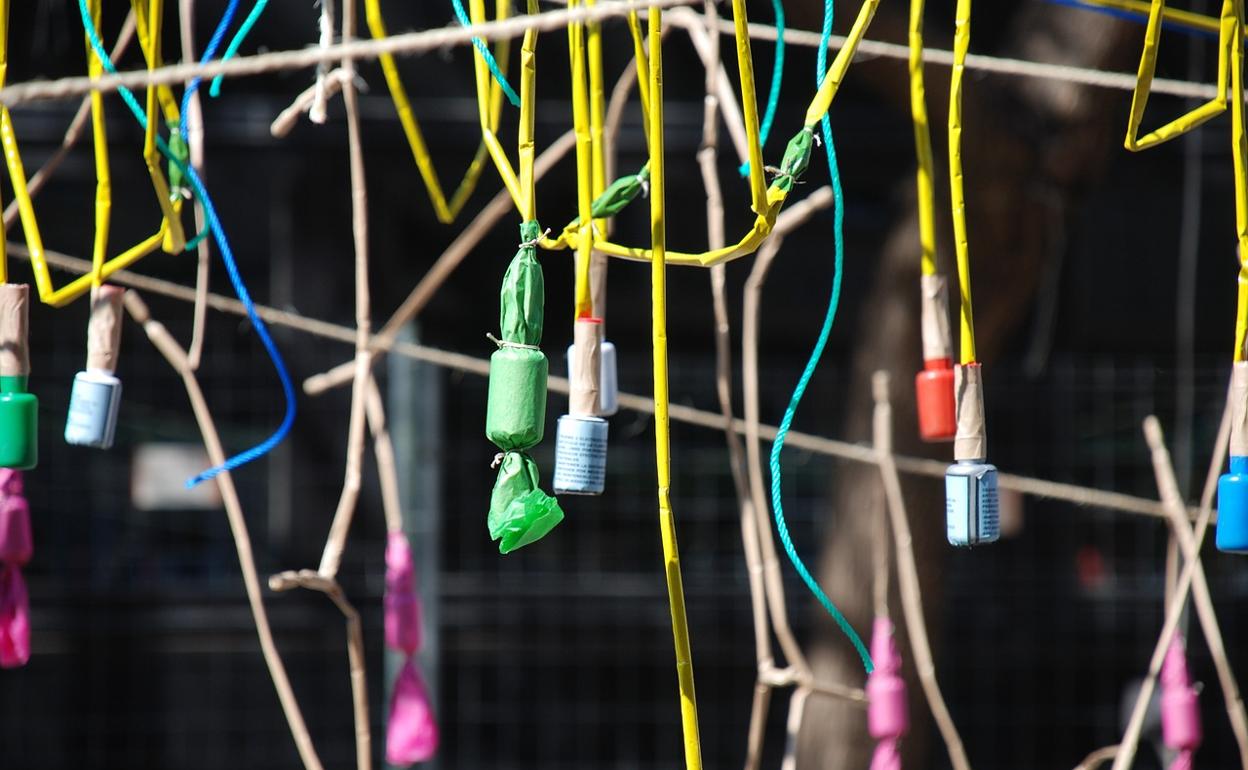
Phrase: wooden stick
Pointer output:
(1168, 486)
(195, 141)
(788, 219)
(331, 558)
(908, 575)
(1131, 737)
(163, 341)
(387, 468)
(313, 581)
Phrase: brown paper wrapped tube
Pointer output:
(937, 339)
(971, 442)
(1239, 409)
(14, 326)
(585, 367)
(104, 329)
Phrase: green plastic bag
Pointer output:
(520, 512)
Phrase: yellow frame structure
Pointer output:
(149, 15)
(446, 211)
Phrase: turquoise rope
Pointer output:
(838, 219)
(227, 257)
(215, 89)
(777, 76)
(484, 50)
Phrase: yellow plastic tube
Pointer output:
(662, 426)
(446, 211)
(922, 143)
(775, 197)
(961, 44)
(584, 164)
(1229, 27)
(1239, 152)
(170, 232)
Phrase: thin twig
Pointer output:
(286, 119)
(1168, 486)
(908, 585)
(313, 581)
(164, 342)
(195, 141)
(1135, 723)
(341, 526)
(387, 468)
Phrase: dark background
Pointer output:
(560, 655)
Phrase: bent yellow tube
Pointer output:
(446, 211)
(1229, 27)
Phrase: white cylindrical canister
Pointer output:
(609, 382)
(93, 406)
(580, 455)
(609, 387)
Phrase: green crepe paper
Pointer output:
(522, 300)
(520, 513)
(617, 196)
(796, 159)
(515, 415)
(180, 150)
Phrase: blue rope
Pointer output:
(215, 89)
(484, 50)
(838, 218)
(227, 256)
(777, 75)
(218, 35)
(1138, 18)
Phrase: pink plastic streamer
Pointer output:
(412, 734)
(14, 618)
(1180, 710)
(400, 603)
(886, 756)
(16, 548)
(887, 716)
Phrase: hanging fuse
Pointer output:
(933, 386)
(96, 396)
(581, 443)
(19, 410)
(971, 505)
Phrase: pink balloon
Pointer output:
(400, 603)
(14, 618)
(412, 734)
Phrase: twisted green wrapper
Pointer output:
(515, 419)
(796, 159)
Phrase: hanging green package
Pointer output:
(515, 419)
(520, 513)
(515, 416)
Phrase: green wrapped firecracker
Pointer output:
(515, 418)
(520, 512)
